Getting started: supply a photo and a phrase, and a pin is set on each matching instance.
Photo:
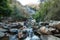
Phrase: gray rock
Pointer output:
(1, 34)
(2, 30)
(13, 30)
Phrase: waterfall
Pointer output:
(31, 35)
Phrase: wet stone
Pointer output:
(2, 34)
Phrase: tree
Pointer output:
(18, 12)
(49, 10)
(5, 9)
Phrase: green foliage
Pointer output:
(49, 10)
(5, 9)
(18, 12)
(54, 11)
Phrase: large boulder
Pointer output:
(3, 30)
(57, 26)
(14, 30)
(44, 30)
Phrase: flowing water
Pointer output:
(31, 35)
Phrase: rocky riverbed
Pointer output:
(17, 31)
